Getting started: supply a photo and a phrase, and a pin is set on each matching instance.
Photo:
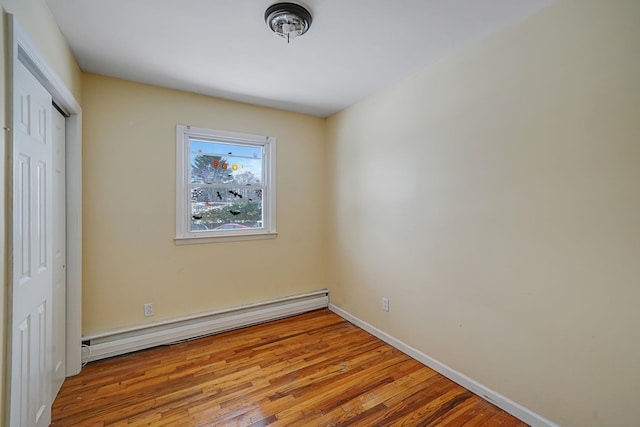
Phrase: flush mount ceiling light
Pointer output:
(288, 20)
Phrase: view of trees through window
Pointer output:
(226, 184)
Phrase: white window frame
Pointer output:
(184, 235)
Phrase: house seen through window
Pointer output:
(225, 184)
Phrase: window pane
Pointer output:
(224, 208)
(223, 186)
(225, 163)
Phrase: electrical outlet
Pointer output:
(385, 303)
(148, 309)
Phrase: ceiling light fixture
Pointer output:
(288, 20)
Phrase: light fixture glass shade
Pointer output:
(288, 20)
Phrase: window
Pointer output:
(225, 187)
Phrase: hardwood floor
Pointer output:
(314, 369)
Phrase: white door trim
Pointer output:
(23, 50)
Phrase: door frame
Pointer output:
(23, 50)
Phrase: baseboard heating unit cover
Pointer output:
(121, 341)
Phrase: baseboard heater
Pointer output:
(121, 341)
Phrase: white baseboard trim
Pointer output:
(497, 399)
(121, 341)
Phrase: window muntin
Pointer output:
(225, 184)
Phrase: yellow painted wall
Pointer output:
(130, 257)
(494, 198)
(37, 21)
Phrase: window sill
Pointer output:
(226, 238)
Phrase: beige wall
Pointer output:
(494, 199)
(37, 21)
(130, 257)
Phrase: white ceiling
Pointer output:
(223, 48)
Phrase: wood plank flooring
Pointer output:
(314, 369)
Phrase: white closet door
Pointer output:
(59, 254)
(32, 278)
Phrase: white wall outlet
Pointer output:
(148, 309)
(385, 303)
